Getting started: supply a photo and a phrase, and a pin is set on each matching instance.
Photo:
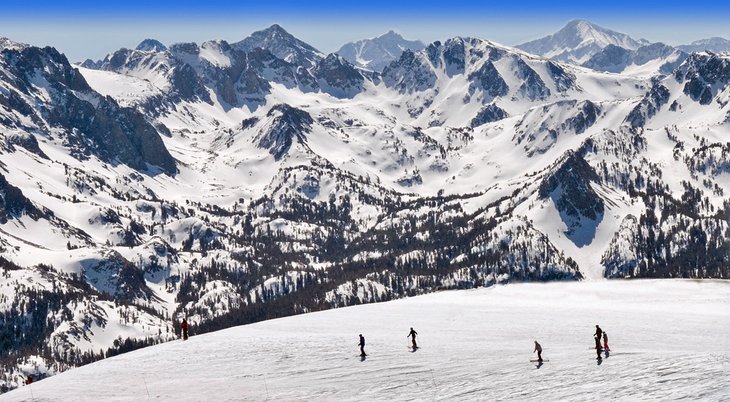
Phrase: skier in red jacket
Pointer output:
(184, 327)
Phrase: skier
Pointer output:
(362, 345)
(598, 347)
(605, 341)
(29, 380)
(184, 327)
(599, 331)
(538, 349)
(413, 334)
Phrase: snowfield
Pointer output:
(668, 339)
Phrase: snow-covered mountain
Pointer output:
(577, 41)
(376, 53)
(715, 44)
(231, 183)
(648, 60)
(315, 356)
(281, 44)
(151, 45)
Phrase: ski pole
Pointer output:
(145, 387)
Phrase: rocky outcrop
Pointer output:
(287, 124)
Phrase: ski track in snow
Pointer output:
(669, 340)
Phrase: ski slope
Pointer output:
(669, 341)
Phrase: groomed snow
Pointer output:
(669, 341)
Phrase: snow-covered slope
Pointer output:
(665, 338)
(376, 53)
(577, 41)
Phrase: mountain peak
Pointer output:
(376, 53)
(276, 28)
(151, 45)
(281, 44)
(390, 34)
(577, 41)
(275, 31)
(6, 43)
(580, 23)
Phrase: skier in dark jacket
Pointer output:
(413, 334)
(184, 327)
(538, 349)
(599, 332)
(362, 345)
(598, 347)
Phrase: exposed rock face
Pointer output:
(612, 59)
(13, 204)
(704, 75)
(580, 208)
(616, 59)
(586, 117)
(487, 79)
(563, 80)
(409, 74)
(92, 124)
(533, 87)
(288, 124)
(454, 55)
(488, 114)
(657, 97)
(117, 277)
(338, 77)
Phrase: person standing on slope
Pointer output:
(599, 332)
(605, 341)
(413, 334)
(538, 349)
(598, 347)
(184, 328)
(362, 345)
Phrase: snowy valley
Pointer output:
(231, 183)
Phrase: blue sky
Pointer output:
(88, 28)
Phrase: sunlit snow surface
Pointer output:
(669, 340)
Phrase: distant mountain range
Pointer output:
(578, 42)
(234, 182)
(717, 45)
